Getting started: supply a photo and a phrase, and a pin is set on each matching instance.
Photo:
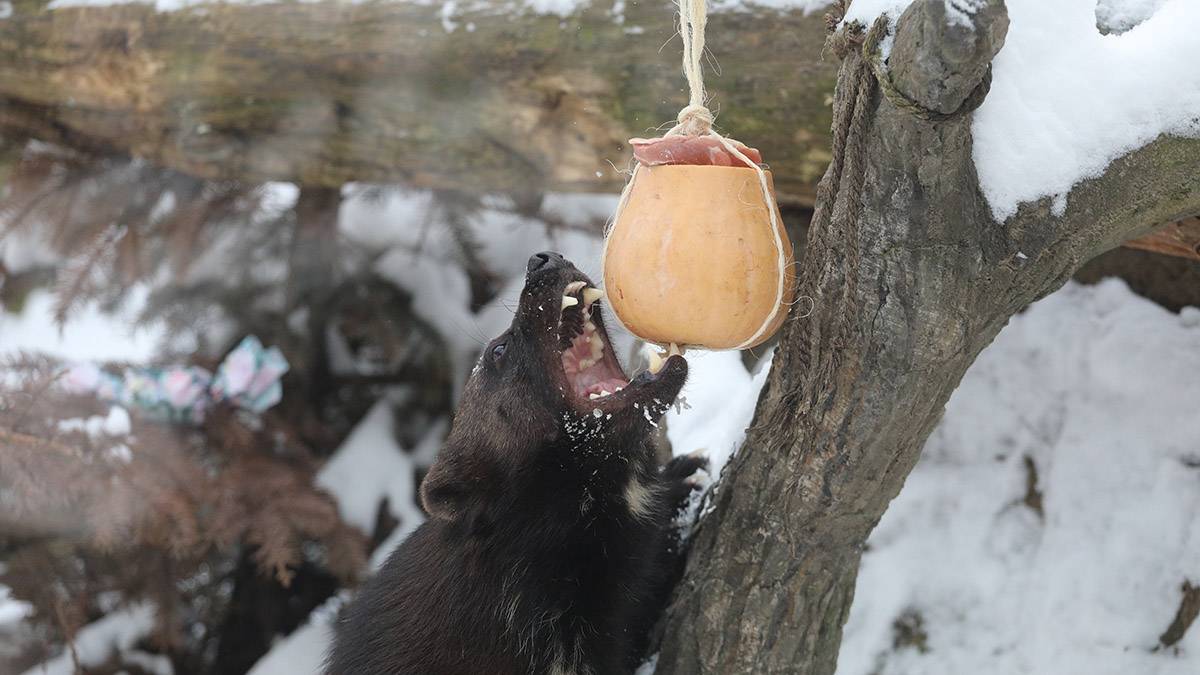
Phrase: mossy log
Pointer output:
(490, 97)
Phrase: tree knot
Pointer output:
(872, 54)
(845, 38)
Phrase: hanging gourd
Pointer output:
(697, 254)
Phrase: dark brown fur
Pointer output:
(550, 547)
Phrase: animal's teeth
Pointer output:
(674, 350)
(604, 392)
(591, 295)
(593, 396)
(574, 287)
(656, 362)
(589, 326)
(568, 301)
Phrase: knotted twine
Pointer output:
(695, 119)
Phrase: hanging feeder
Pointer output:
(697, 253)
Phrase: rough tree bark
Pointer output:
(486, 96)
(902, 302)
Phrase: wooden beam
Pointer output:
(489, 97)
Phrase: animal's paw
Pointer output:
(684, 474)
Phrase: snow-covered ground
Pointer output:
(1099, 390)
(89, 334)
(117, 632)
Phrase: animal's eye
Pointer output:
(498, 350)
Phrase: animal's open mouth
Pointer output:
(588, 359)
(589, 362)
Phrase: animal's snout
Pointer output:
(546, 260)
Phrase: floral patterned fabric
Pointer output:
(248, 378)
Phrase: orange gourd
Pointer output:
(693, 258)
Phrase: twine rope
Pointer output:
(695, 119)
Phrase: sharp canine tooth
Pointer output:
(656, 362)
(674, 350)
(591, 295)
(593, 396)
(568, 301)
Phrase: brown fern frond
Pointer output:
(77, 275)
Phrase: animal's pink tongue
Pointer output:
(588, 370)
(610, 386)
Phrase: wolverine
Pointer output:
(550, 546)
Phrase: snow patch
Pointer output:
(1066, 100)
(303, 651)
(89, 334)
(370, 466)
(115, 423)
(11, 609)
(721, 396)
(116, 633)
(1097, 388)
(1118, 16)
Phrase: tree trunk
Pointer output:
(488, 97)
(903, 299)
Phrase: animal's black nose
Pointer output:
(545, 259)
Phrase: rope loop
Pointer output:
(694, 120)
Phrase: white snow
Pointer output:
(12, 610)
(303, 651)
(116, 633)
(1067, 100)
(115, 423)
(24, 250)
(89, 334)
(866, 11)
(370, 466)
(720, 396)
(1098, 387)
(1119, 16)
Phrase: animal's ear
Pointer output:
(452, 490)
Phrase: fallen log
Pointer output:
(493, 96)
